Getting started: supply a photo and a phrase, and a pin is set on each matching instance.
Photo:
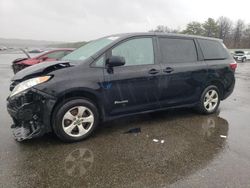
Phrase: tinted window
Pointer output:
(177, 50)
(136, 51)
(213, 49)
(55, 55)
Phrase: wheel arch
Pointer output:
(78, 93)
(219, 85)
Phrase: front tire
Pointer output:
(75, 120)
(209, 100)
(244, 59)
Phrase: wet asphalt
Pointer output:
(198, 151)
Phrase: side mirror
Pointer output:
(115, 61)
(44, 58)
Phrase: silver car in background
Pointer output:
(241, 55)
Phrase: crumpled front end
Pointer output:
(238, 58)
(30, 111)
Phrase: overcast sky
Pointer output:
(81, 20)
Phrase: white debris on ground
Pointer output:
(223, 136)
(155, 140)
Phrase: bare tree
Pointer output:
(225, 26)
(238, 33)
(246, 37)
(225, 30)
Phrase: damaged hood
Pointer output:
(41, 68)
(26, 53)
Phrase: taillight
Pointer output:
(233, 66)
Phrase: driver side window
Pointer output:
(136, 51)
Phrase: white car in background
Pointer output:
(241, 55)
(3, 48)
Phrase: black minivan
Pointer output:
(117, 76)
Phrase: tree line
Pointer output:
(234, 34)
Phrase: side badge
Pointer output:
(121, 102)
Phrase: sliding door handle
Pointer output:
(153, 71)
(168, 70)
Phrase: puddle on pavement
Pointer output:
(112, 158)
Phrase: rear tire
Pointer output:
(209, 100)
(75, 120)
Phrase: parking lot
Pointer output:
(175, 148)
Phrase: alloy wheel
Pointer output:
(211, 100)
(77, 121)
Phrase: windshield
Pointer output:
(89, 49)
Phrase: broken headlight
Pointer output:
(28, 84)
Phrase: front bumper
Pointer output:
(30, 111)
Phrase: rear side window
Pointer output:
(213, 50)
(177, 50)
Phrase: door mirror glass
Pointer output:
(115, 61)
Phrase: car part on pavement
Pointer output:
(134, 130)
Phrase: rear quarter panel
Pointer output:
(219, 71)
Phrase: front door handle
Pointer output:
(153, 71)
(168, 70)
